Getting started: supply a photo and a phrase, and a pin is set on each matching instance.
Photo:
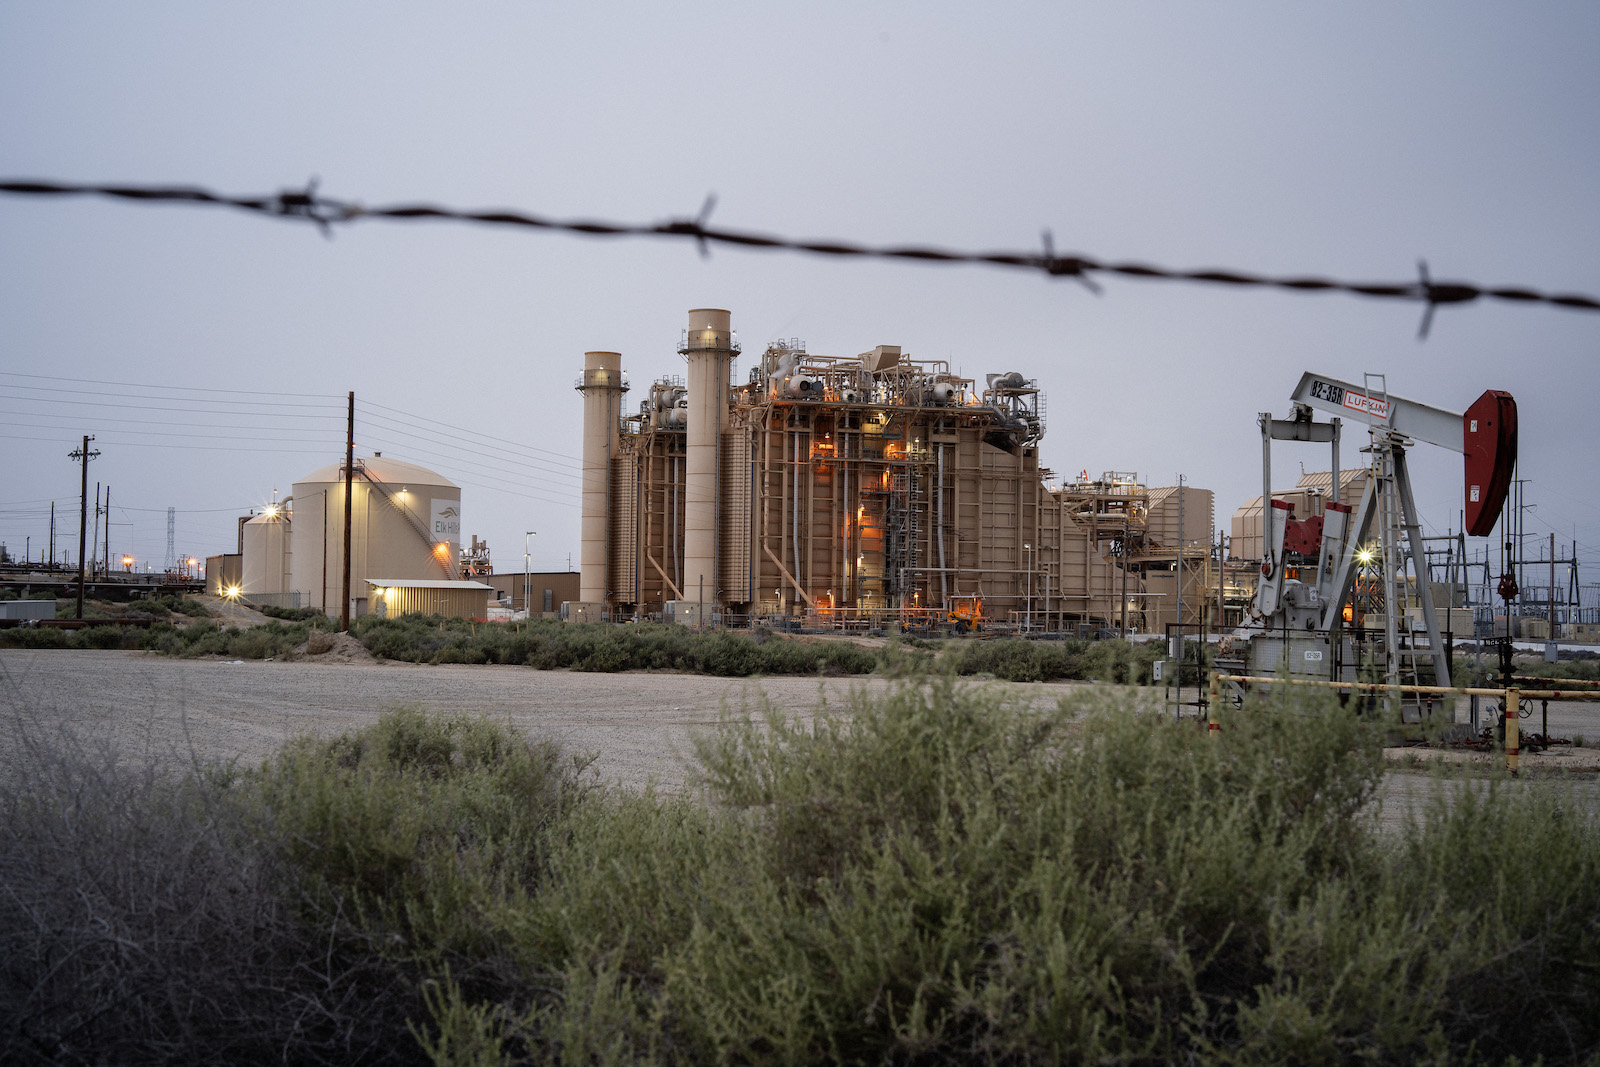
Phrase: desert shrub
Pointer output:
(34, 637)
(1586, 670)
(593, 647)
(271, 640)
(197, 609)
(260, 642)
(936, 875)
(940, 877)
(417, 839)
(1018, 660)
(104, 637)
(293, 614)
(1116, 660)
(149, 919)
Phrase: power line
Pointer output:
(150, 444)
(179, 388)
(325, 213)
(386, 427)
(526, 490)
(158, 407)
(230, 426)
(172, 433)
(463, 429)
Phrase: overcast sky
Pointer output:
(209, 351)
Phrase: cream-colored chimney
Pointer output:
(709, 347)
(602, 388)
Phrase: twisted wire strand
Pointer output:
(326, 212)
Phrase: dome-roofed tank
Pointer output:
(405, 524)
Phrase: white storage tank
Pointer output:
(405, 523)
(266, 553)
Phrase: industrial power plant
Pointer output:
(880, 492)
(863, 491)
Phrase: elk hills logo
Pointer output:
(447, 520)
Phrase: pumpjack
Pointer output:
(1302, 621)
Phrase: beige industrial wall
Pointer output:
(223, 573)
(561, 585)
(451, 603)
(266, 555)
(1162, 520)
(1245, 526)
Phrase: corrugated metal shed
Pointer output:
(397, 596)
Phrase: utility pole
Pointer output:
(527, 575)
(52, 533)
(84, 455)
(94, 540)
(349, 512)
(105, 560)
(1552, 596)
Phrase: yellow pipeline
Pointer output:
(1511, 703)
(1213, 727)
(1513, 707)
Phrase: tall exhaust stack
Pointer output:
(709, 346)
(602, 388)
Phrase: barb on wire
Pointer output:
(325, 213)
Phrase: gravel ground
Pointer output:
(639, 725)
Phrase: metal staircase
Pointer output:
(449, 566)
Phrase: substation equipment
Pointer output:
(1344, 592)
(858, 492)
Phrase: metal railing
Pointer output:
(1511, 698)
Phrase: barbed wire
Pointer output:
(326, 212)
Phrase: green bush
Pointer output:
(549, 645)
(35, 637)
(105, 637)
(1018, 660)
(941, 877)
(427, 827)
(934, 876)
(1121, 661)
(292, 614)
(269, 641)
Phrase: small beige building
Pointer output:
(224, 573)
(548, 590)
